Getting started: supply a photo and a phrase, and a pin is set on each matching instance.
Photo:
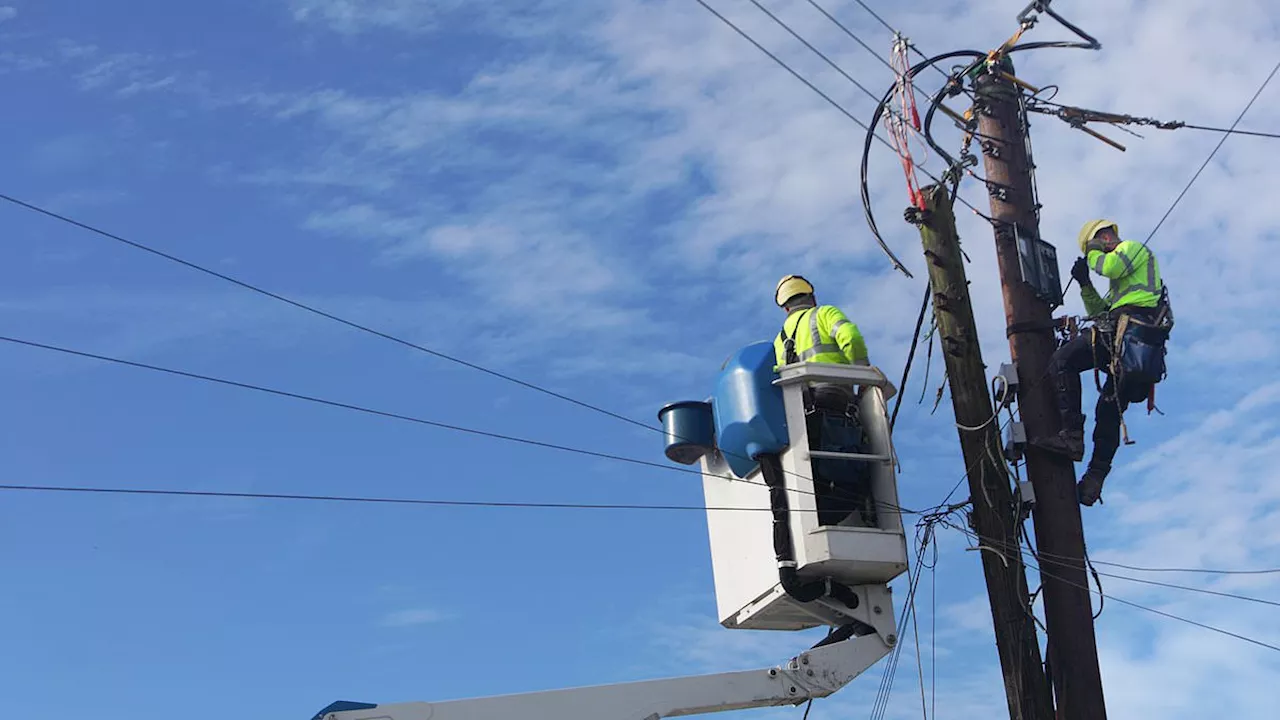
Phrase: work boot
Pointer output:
(1068, 443)
(1089, 489)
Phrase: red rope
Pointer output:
(906, 121)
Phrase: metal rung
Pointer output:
(826, 455)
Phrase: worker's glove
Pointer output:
(1094, 244)
(1080, 271)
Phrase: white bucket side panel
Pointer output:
(742, 558)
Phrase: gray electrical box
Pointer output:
(1039, 263)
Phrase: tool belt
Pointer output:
(1138, 344)
(1138, 351)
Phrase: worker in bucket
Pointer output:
(1126, 341)
(822, 334)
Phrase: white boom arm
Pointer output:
(815, 673)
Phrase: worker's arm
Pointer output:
(1123, 260)
(834, 323)
(1093, 302)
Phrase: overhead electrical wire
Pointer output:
(1072, 113)
(780, 23)
(391, 415)
(1213, 152)
(375, 500)
(1156, 611)
(1051, 559)
(845, 28)
(324, 314)
(897, 264)
(1074, 561)
(338, 404)
(317, 311)
(1047, 573)
(1207, 571)
(1229, 131)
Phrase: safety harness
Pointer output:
(1137, 349)
(791, 356)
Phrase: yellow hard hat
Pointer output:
(1091, 228)
(791, 286)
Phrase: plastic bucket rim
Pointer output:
(662, 412)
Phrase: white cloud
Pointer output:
(8, 12)
(352, 17)
(412, 617)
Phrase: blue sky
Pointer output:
(597, 197)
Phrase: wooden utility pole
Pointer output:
(1072, 647)
(994, 512)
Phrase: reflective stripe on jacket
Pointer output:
(822, 334)
(1134, 274)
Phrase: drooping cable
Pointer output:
(406, 418)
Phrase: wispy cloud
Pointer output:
(350, 17)
(412, 617)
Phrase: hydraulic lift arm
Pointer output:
(815, 673)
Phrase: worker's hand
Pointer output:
(1080, 271)
(1095, 244)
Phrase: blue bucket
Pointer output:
(689, 430)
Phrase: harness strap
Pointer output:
(789, 343)
(789, 348)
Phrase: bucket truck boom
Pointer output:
(815, 673)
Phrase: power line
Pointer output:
(1209, 571)
(1188, 588)
(1107, 596)
(1074, 115)
(859, 40)
(1162, 613)
(392, 415)
(777, 20)
(337, 404)
(856, 39)
(834, 104)
(1254, 133)
(322, 313)
(371, 499)
(1174, 586)
(879, 19)
(1215, 150)
(317, 311)
(1043, 557)
(793, 72)
(1141, 568)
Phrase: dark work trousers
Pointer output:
(1080, 355)
(842, 486)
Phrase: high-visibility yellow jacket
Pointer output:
(1134, 274)
(822, 334)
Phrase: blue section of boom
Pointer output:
(343, 706)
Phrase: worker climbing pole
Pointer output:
(1031, 289)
